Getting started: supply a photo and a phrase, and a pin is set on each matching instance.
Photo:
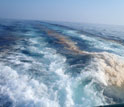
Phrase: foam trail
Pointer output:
(111, 65)
(68, 44)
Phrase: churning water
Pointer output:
(48, 65)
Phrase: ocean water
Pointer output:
(60, 65)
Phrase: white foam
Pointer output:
(26, 90)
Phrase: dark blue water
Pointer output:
(37, 71)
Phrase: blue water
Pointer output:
(37, 71)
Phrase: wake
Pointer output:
(110, 64)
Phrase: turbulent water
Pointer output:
(50, 65)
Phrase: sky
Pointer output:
(84, 11)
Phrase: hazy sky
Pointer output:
(91, 11)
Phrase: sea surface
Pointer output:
(46, 64)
